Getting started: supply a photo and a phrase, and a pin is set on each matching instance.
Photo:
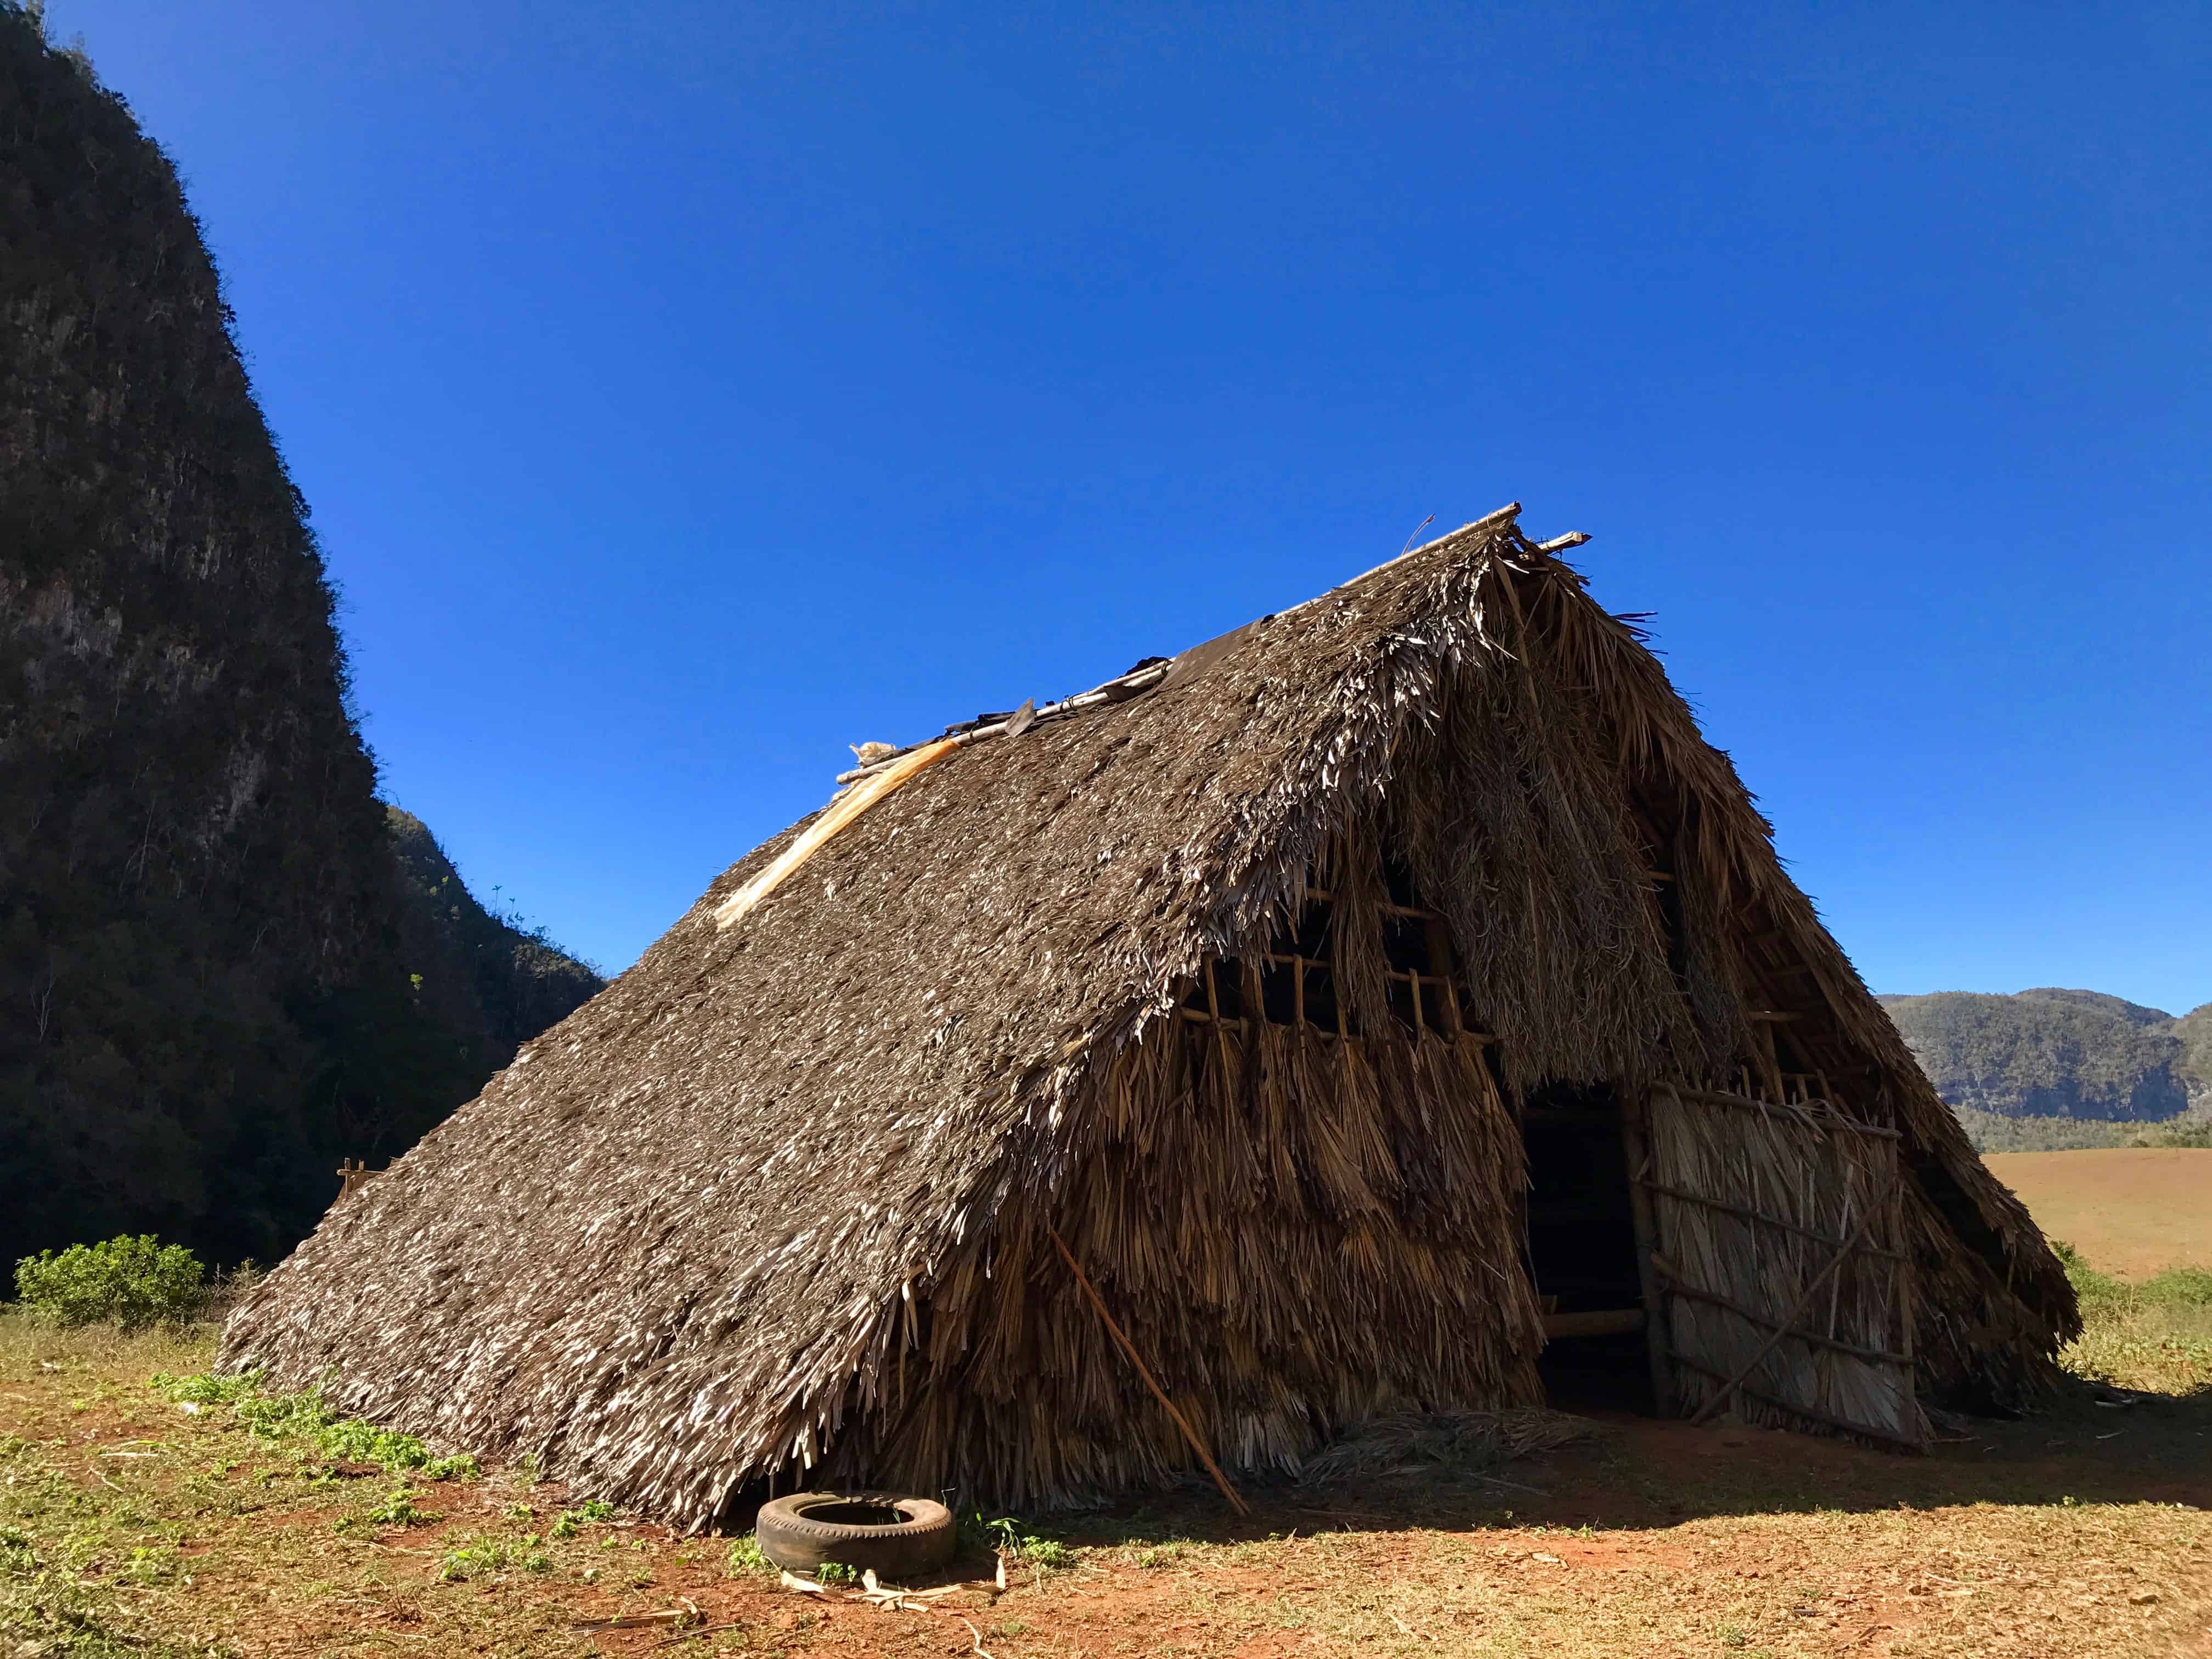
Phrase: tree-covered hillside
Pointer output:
(205, 991)
(2195, 1030)
(2050, 1069)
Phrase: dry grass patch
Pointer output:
(130, 1524)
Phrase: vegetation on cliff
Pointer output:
(205, 990)
(488, 978)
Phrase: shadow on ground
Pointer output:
(1642, 1472)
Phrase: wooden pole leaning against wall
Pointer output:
(1143, 1371)
(1634, 1111)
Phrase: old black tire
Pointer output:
(800, 1532)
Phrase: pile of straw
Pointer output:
(1464, 1442)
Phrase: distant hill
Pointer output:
(2134, 1013)
(221, 970)
(484, 977)
(2053, 1068)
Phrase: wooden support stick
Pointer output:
(1636, 1143)
(1440, 963)
(1770, 1063)
(1220, 1037)
(882, 780)
(1410, 912)
(1762, 1218)
(1113, 691)
(1680, 1287)
(1752, 1104)
(1144, 1371)
(1610, 1322)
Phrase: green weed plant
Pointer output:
(308, 1417)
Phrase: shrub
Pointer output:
(1006, 1536)
(1048, 1554)
(207, 1388)
(130, 1282)
(2155, 1336)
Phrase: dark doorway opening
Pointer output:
(1580, 1250)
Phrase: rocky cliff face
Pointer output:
(204, 995)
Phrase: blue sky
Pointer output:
(684, 392)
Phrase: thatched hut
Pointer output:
(1361, 998)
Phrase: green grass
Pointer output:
(306, 1420)
(2155, 1335)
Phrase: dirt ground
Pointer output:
(138, 1527)
(2132, 1211)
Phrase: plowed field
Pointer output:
(2131, 1212)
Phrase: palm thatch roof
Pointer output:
(785, 1190)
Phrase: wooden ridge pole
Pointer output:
(1144, 1371)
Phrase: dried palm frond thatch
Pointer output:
(1138, 974)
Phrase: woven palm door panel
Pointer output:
(1786, 1293)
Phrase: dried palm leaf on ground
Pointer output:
(1469, 1442)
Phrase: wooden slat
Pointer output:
(1831, 1119)
(1678, 1286)
(1760, 1216)
(1605, 1321)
